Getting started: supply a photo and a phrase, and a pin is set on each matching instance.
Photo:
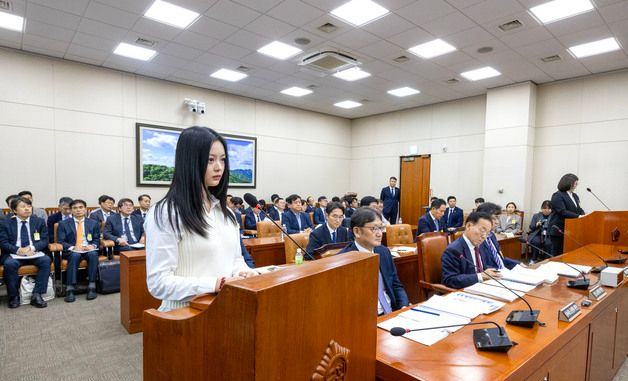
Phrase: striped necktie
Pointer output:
(496, 257)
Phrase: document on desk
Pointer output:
(514, 285)
(454, 306)
(467, 301)
(403, 249)
(560, 268)
(528, 276)
(418, 318)
(137, 245)
(498, 293)
(36, 255)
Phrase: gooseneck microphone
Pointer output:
(487, 339)
(615, 261)
(582, 284)
(252, 201)
(602, 202)
(520, 318)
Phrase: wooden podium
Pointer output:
(609, 228)
(304, 322)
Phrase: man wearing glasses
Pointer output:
(366, 225)
(331, 231)
(467, 261)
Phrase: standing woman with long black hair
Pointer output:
(192, 237)
(565, 204)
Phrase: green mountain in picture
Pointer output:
(155, 172)
(240, 176)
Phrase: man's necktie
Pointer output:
(478, 259)
(24, 240)
(127, 231)
(333, 237)
(496, 257)
(437, 225)
(299, 220)
(79, 234)
(392, 191)
(449, 216)
(381, 296)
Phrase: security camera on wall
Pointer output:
(193, 105)
(200, 108)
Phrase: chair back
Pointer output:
(51, 211)
(311, 214)
(55, 233)
(457, 234)
(291, 248)
(431, 247)
(399, 234)
(242, 217)
(267, 229)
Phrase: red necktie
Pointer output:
(478, 260)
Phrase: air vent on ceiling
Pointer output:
(553, 58)
(485, 49)
(5, 5)
(145, 42)
(243, 68)
(510, 25)
(329, 61)
(451, 81)
(401, 59)
(311, 87)
(302, 41)
(327, 27)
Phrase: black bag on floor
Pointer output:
(108, 277)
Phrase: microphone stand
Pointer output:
(285, 233)
(602, 202)
(581, 284)
(615, 261)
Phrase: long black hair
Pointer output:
(185, 198)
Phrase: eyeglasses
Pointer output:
(375, 229)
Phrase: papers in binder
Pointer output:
(36, 255)
(560, 268)
(528, 276)
(418, 318)
(464, 301)
(513, 285)
(499, 293)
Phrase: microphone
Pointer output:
(582, 284)
(615, 261)
(486, 339)
(517, 317)
(594, 195)
(252, 200)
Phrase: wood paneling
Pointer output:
(596, 228)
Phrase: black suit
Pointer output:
(562, 207)
(322, 236)
(114, 229)
(391, 203)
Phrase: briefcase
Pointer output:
(108, 277)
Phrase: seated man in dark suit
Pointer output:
(454, 216)
(38, 212)
(353, 205)
(106, 209)
(431, 221)
(144, 201)
(467, 260)
(80, 238)
(124, 228)
(491, 243)
(24, 235)
(63, 214)
(309, 204)
(295, 220)
(276, 212)
(329, 232)
(319, 213)
(367, 229)
(252, 216)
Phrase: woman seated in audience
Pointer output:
(539, 232)
(510, 222)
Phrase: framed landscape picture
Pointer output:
(155, 151)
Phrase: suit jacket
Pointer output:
(292, 225)
(41, 213)
(563, 207)
(52, 220)
(319, 216)
(390, 201)
(238, 216)
(98, 215)
(508, 262)
(460, 273)
(138, 212)
(114, 227)
(455, 220)
(249, 220)
(322, 236)
(66, 233)
(247, 257)
(309, 209)
(349, 212)
(274, 214)
(509, 224)
(8, 235)
(426, 224)
(392, 284)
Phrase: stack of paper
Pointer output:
(493, 292)
(513, 285)
(560, 268)
(454, 306)
(465, 301)
(36, 255)
(418, 318)
(528, 276)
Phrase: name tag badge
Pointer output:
(89, 236)
(514, 221)
(36, 236)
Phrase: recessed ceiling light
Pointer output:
(352, 74)
(296, 91)
(279, 50)
(432, 49)
(403, 91)
(135, 52)
(228, 75)
(11, 22)
(596, 47)
(482, 73)
(347, 104)
(171, 14)
(560, 9)
(359, 12)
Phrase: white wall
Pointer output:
(71, 128)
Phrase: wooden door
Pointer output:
(414, 185)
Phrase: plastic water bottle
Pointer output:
(400, 221)
(298, 257)
(283, 229)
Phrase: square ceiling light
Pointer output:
(481, 73)
(228, 75)
(360, 12)
(11, 22)
(279, 50)
(296, 91)
(560, 9)
(171, 14)
(596, 47)
(432, 49)
(403, 91)
(347, 104)
(135, 52)
(352, 74)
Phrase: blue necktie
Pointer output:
(24, 241)
(496, 257)
(127, 231)
(381, 296)
(299, 220)
(333, 237)
(437, 226)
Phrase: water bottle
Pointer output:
(400, 221)
(283, 229)
(298, 257)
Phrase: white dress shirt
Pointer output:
(18, 241)
(472, 249)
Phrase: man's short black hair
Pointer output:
(479, 200)
(362, 216)
(24, 193)
(65, 201)
(393, 178)
(17, 200)
(321, 198)
(124, 201)
(451, 198)
(237, 201)
(367, 200)
(334, 205)
(276, 200)
(489, 208)
(293, 197)
(104, 198)
(78, 201)
(437, 203)
(474, 217)
(9, 198)
(274, 197)
(335, 199)
(142, 196)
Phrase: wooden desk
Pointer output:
(511, 247)
(266, 251)
(592, 347)
(407, 265)
(134, 295)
